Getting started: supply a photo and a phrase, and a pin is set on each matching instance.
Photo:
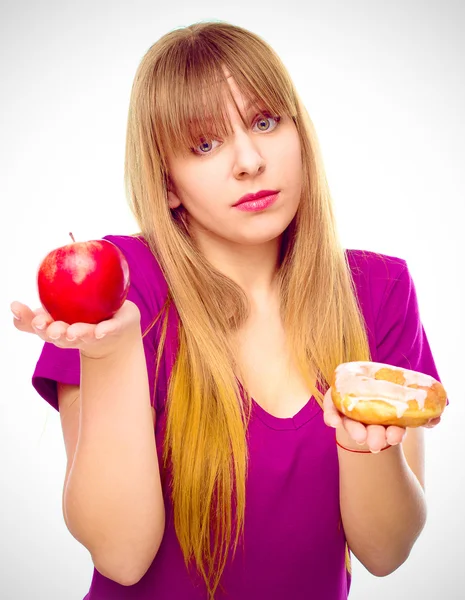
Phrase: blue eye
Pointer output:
(206, 145)
(264, 118)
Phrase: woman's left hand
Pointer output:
(358, 436)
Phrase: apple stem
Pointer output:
(72, 237)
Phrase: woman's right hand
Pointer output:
(82, 336)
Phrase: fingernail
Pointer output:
(70, 339)
(40, 325)
(17, 317)
(100, 336)
(55, 337)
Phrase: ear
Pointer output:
(173, 200)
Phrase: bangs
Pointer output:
(190, 90)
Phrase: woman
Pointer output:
(237, 316)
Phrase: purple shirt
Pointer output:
(294, 540)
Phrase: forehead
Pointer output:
(227, 91)
(241, 105)
(191, 106)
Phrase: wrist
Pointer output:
(112, 348)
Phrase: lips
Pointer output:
(250, 197)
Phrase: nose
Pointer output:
(249, 162)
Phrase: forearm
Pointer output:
(383, 506)
(113, 499)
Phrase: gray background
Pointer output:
(384, 85)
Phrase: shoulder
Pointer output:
(369, 264)
(145, 271)
(375, 274)
(382, 285)
(388, 298)
(136, 248)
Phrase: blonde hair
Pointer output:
(176, 87)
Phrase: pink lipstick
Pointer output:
(259, 201)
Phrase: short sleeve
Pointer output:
(401, 339)
(63, 365)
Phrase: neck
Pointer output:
(252, 267)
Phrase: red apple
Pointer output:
(85, 282)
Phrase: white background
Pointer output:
(384, 85)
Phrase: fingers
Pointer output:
(357, 431)
(379, 436)
(64, 335)
(40, 322)
(395, 435)
(116, 332)
(25, 318)
(376, 437)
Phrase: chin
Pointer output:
(275, 227)
(262, 234)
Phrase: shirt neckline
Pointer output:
(305, 414)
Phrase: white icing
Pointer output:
(356, 380)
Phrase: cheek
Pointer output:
(292, 162)
(297, 150)
(289, 150)
(200, 195)
(192, 188)
(204, 185)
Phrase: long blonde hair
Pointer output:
(207, 412)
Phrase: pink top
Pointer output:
(294, 539)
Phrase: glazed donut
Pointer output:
(379, 394)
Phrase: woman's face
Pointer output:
(211, 178)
